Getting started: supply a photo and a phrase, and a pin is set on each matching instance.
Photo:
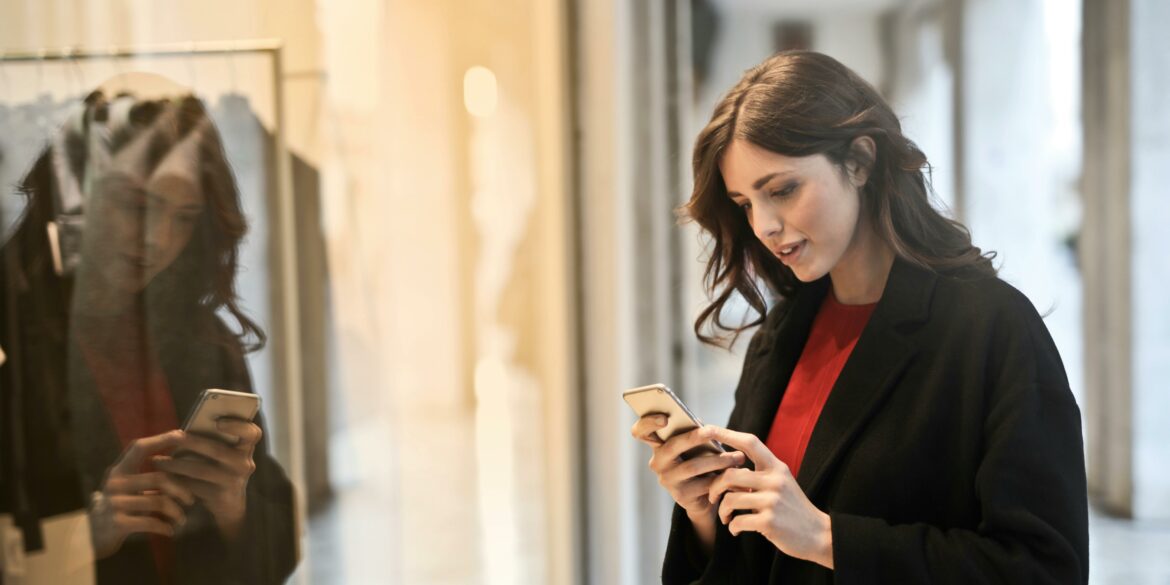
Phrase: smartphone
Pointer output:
(658, 399)
(215, 404)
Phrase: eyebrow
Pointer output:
(760, 182)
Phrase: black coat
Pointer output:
(57, 440)
(949, 450)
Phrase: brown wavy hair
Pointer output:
(200, 282)
(798, 104)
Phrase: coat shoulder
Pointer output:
(986, 299)
(999, 313)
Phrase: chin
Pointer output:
(808, 274)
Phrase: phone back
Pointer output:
(216, 404)
(658, 399)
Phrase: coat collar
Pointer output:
(881, 353)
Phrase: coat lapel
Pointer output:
(881, 353)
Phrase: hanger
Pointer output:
(120, 66)
(75, 73)
(192, 75)
(5, 84)
(230, 57)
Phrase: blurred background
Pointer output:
(463, 243)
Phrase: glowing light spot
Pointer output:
(480, 91)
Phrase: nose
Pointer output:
(158, 234)
(766, 224)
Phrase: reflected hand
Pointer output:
(774, 504)
(132, 502)
(219, 474)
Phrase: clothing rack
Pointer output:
(289, 443)
(271, 46)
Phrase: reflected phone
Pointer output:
(658, 399)
(215, 404)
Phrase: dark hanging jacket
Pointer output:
(949, 450)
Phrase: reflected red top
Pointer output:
(834, 333)
(128, 377)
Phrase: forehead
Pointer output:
(178, 189)
(743, 163)
(176, 178)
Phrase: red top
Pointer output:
(834, 333)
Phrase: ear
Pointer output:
(864, 152)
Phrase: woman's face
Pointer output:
(802, 209)
(137, 223)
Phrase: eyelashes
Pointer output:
(785, 191)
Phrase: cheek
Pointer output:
(835, 218)
(113, 229)
(181, 238)
(179, 241)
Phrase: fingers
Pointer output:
(698, 466)
(740, 480)
(674, 447)
(132, 458)
(155, 481)
(131, 523)
(646, 429)
(750, 444)
(158, 504)
(210, 448)
(749, 523)
(247, 432)
(753, 501)
(206, 471)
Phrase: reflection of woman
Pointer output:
(903, 415)
(106, 357)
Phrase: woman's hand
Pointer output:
(132, 502)
(688, 482)
(219, 476)
(773, 502)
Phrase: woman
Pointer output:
(903, 415)
(114, 285)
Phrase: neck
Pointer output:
(860, 276)
(94, 297)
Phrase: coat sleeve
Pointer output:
(1030, 483)
(267, 551)
(732, 559)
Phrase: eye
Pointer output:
(746, 206)
(131, 200)
(786, 191)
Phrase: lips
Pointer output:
(789, 252)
